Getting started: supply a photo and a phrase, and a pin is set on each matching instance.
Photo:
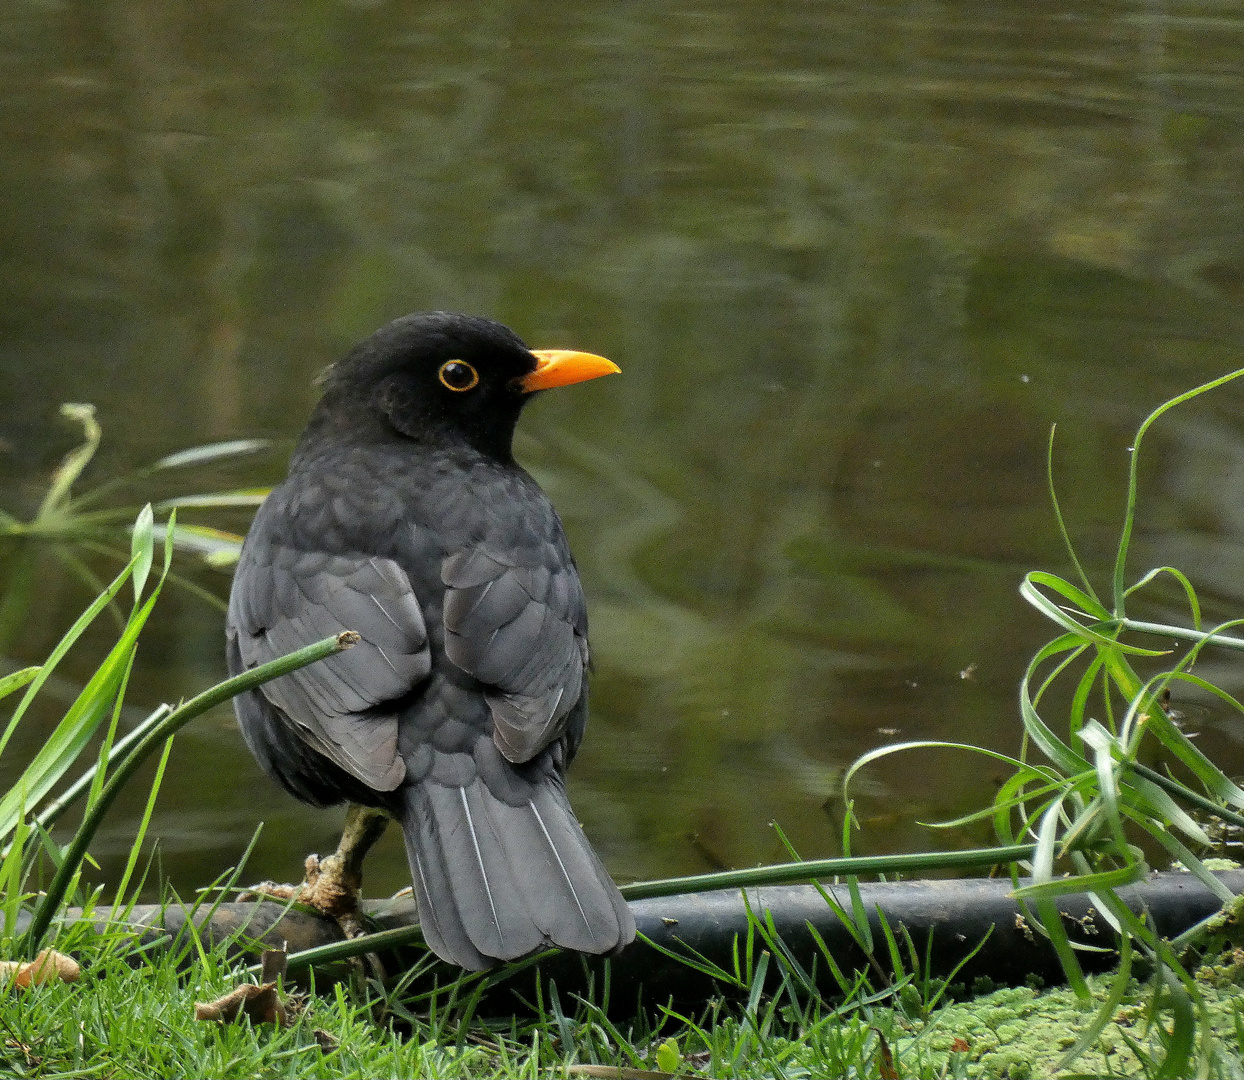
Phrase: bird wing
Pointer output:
(288, 599)
(521, 630)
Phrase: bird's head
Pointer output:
(440, 377)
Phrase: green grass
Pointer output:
(137, 1021)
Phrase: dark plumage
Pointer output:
(406, 518)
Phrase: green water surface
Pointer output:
(853, 258)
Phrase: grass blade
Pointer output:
(218, 451)
(218, 500)
(50, 902)
(62, 647)
(16, 680)
(142, 550)
(74, 731)
(144, 823)
(1129, 515)
(75, 461)
(1058, 517)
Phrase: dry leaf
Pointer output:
(48, 966)
(26, 1050)
(885, 1060)
(260, 1003)
(272, 965)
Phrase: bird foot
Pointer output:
(333, 889)
(329, 889)
(333, 883)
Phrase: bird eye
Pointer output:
(458, 375)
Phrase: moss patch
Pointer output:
(1018, 1033)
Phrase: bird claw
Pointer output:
(333, 890)
(334, 883)
(329, 889)
(268, 890)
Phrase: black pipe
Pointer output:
(945, 920)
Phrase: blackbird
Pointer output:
(405, 517)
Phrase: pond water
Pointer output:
(854, 260)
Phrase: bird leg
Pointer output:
(333, 884)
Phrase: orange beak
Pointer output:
(562, 367)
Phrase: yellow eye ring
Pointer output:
(458, 375)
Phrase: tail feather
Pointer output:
(578, 878)
(496, 881)
(485, 896)
(438, 913)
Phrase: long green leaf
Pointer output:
(1027, 776)
(74, 462)
(1052, 923)
(1082, 600)
(1011, 797)
(921, 744)
(1119, 985)
(1079, 701)
(1158, 804)
(1180, 791)
(142, 549)
(216, 500)
(1087, 632)
(1047, 742)
(1078, 883)
(1214, 779)
(16, 680)
(1191, 863)
(104, 753)
(54, 809)
(1047, 838)
(1194, 604)
(1129, 515)
(1100, 741)
(1183, 1028)
(1209, 688)
(11, 878)
(62, 647)
(67, 741)
(51, 900)
(828, 868)
(143, 825)
(1102, 631)
(215, 546)
(1058, 517)
(102, 692)
(202, 455)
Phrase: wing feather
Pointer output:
(519, 625)
(284, 599)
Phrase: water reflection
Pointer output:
(853, 260)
